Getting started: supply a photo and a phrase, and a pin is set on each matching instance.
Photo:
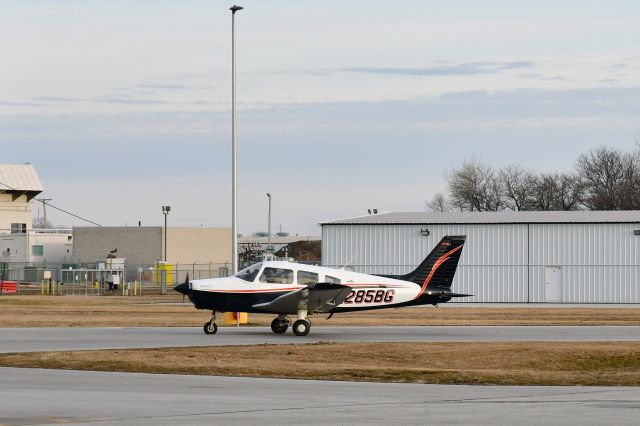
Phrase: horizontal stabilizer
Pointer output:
(447, 294)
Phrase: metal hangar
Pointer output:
(514, 257)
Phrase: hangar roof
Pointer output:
(20, 179)
(434, 218)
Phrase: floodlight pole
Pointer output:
(165, 212)
(234, 183)
(269, 226)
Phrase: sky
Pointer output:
(343, 106)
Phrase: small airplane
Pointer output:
(287, 288)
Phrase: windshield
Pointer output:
(250, 273)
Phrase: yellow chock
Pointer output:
(231, 318)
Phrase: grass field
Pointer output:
(528, 363)
(115, 311)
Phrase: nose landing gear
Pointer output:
(210, 326)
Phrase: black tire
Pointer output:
(301, 327)
(210, 327)
(279, 327)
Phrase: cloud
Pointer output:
(57, 99)
(97, 99)
(445, 70)
(165, 86)
(130, 101)
(11, 103)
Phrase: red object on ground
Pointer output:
(9, 287)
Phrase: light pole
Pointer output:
(234, 200)
(165, 212)
(269, 230)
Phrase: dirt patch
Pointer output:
(522, 363)
(166, 311)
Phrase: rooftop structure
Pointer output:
(504, 217)
(19, 180)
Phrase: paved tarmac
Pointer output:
(30, 396)
(59, 339)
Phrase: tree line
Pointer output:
(603, 179)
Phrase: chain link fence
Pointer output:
(92, 279)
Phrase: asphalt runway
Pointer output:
(60, 339)
(30, 396)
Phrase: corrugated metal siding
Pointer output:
(493, 265)
(600, 262)
(502, 263)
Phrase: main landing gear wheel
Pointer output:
(279, 327)
(210, 327)
(301, 327)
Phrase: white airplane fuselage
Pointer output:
(368, 291)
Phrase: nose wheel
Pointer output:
(301, 327)
(210, 326)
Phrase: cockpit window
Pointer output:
(250, 273)
(276, 276)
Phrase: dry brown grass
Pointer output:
(106, 311)
(527, 363)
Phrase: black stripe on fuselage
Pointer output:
(232, 302)
(243, 302)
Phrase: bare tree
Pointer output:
(38, 223)
(611, 178)
(438, 203)
(558, 191)
(475, 187)
(519, 186)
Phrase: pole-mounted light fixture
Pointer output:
(165, 212)
(269, 248)
(234, 186)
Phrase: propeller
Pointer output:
(183, 288)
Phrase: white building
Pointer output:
(568, 257)
(19, 242)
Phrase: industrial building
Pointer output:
(516, 257)
(144, 245)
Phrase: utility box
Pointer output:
(169, 270)
(232, 318)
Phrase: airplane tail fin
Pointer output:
(438, 269)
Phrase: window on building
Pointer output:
(330, 279)
(37, 250)
(306, 278)
(18, 228)
(276, 276)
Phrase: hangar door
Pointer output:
(553, 284)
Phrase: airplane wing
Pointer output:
(315, 298)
